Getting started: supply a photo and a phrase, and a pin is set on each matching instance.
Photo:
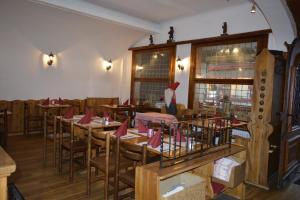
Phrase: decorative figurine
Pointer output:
(224, 27)
(151, 40)
(171, 35)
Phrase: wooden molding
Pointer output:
(218, 39)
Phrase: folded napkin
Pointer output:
(126, 102)
(217, 187)
(122, 130)
(155, 140)
(46, 102)
(69, 113)
(234, 121)
(179, 137)
(142, 128)
(60, 101)
(86, 119)
(107, 115)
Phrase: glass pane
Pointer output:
(226, 61)
(149, 92)
(240, 97)
(153, 64)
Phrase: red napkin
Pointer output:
(46, 102)
(179, 137)
(217, 187)
(235, 121)
(69, 114)
(155, 140)
(86, 119)
(107, 115)
(122, 130)
(60, 101)
(126, 102)
(142, 128)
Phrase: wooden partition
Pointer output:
(94, 103)
(149, 177)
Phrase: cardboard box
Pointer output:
(192, 187)
(237, 175)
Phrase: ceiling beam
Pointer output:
(98, 12)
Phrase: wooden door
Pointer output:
(290, 130)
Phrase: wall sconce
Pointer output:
(50, 59)
(253, 8)
(179, 64)
(109, 65)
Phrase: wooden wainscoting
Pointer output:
(16, 119)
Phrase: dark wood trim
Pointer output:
(287, 134)
(261, 37)
(222, 39)
(172, 50)
(225, 81)
(151, 79)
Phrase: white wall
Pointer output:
(29, 30)
(239, 20)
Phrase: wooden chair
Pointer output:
(33, 118)
(73, 145)
(101, 162)
(3, 128)
(134, 153)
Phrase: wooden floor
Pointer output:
(36, 181)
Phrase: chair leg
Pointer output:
(88, 185)
(71, 167)
(60, 161)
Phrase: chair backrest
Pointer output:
(133, 152)
(66, 127)
(31, 108)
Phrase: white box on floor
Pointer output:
(185, 186)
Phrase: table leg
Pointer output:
(54, 141)
(45, 138)
(3, 188)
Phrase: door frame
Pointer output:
(288, 135)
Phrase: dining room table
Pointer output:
(82, 130)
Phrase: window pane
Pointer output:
(149, 92)
(234, 61)
(153, 64)
(240, 97)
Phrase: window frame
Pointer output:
(170, 79)
(261, 38)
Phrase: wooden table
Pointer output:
(95, 124)
(45, 109)
(7, 167)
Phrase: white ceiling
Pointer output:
(145, 15)
(159, 11)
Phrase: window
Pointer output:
(224, 70)
(152, 71)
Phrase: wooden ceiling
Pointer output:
(294, 6)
